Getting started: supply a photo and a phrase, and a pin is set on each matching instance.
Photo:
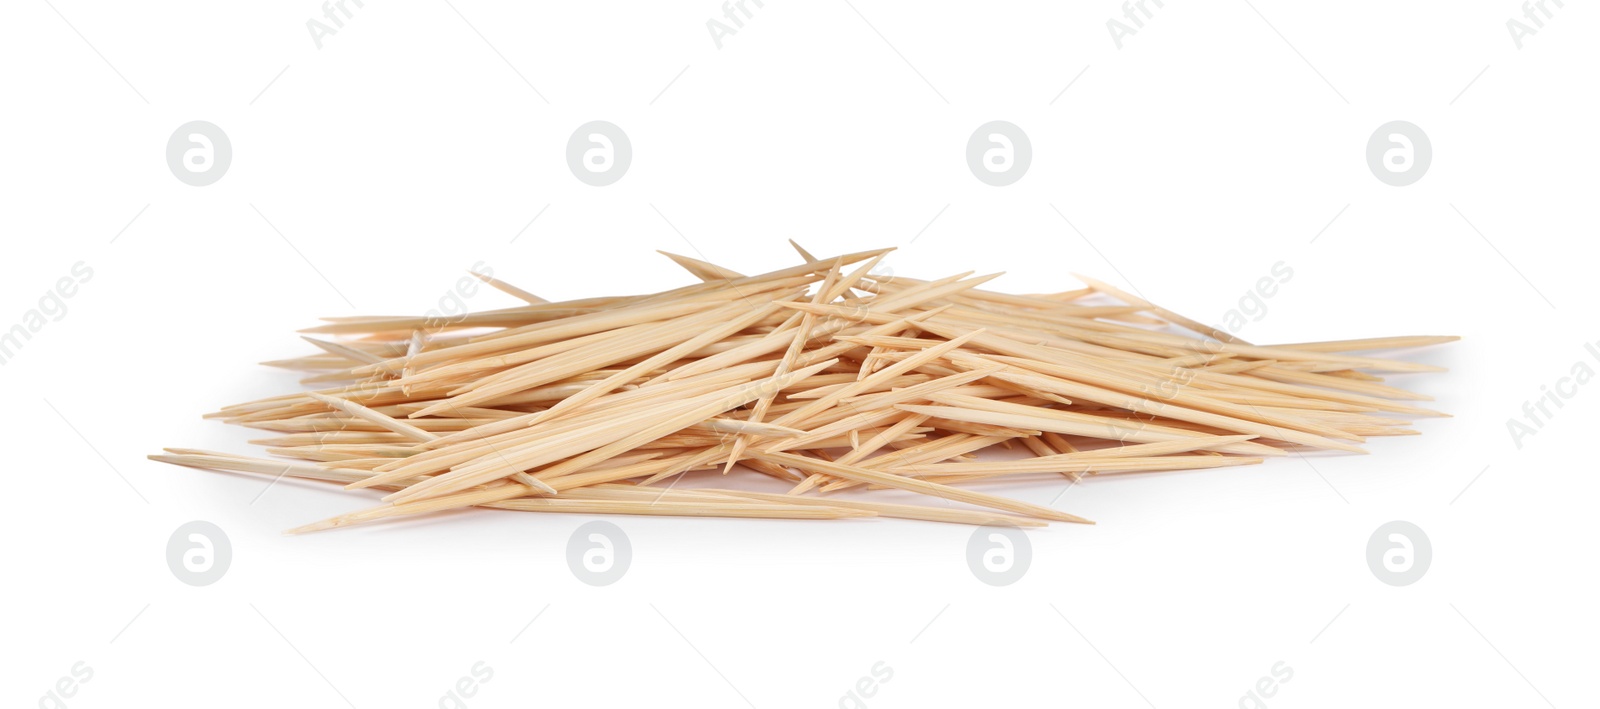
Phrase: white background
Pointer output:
(1219, 139)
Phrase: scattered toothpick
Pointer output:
(820, 375)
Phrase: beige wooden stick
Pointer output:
(509, 289)
(821, 375)
(850, 472)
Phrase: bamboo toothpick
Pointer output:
(819, 375)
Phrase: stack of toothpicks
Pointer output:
(822, 375)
